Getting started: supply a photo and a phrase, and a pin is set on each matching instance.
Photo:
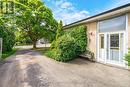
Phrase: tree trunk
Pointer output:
(34, 44)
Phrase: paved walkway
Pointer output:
(30, 69)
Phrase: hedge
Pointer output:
(72, 43)
(80, 36)
(8, 39)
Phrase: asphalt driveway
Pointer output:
(31, 69)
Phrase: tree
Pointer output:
(22, 39)
(36, 20)
(58, 32)
(7, 34)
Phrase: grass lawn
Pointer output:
(7, 54)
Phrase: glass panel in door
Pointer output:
(101, 47)
(114, 47)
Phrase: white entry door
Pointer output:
(102, 49)
(115, 47)
(111, 48)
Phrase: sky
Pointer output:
(70, 11)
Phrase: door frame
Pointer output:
(125, 43)
(105, 47)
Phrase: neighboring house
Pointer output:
(108, 35)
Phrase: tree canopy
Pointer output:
(35, 20)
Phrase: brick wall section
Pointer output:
(92, 37)
(128, 30)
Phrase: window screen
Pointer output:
(114, 24)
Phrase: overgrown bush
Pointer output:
(79, 34)
(8, 39)
(71, 44)
(64, 49)
(127, 58)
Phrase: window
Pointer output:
(7, 7)
(101, 41)
(114, 40)
(113, 24)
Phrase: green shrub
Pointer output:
(8, 39)
(79, 34)
(9, 53)
(71, 44)
(127, 58)
(64, 49)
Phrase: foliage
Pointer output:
(63, 48)
(58, 32)
(35, 20)
(127, 58)
(8, 36)
(71, 44)
(7, 54)
(79, 34)
(22, 39)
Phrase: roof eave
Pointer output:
(114, 12)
